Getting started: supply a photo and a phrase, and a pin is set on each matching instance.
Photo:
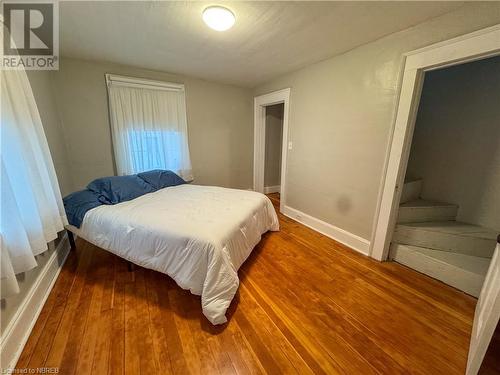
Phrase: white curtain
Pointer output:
(32, 212)
(149, 128)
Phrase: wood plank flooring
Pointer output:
(306, 304)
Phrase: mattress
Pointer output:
(198, 235)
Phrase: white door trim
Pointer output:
(478, 45)
(259, 149)
(486, 316)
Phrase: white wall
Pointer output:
(220, 123)
(274, 136)
(43, 90)
(341, 116)
(456, 145)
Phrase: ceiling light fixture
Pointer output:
(218, 18)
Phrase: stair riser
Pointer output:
(426, 214)
(411, 191)
(463, 280)
(479, 247)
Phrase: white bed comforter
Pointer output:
(198, 235)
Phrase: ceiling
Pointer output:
(268, 39)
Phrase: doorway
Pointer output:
(448, 217)
(479, 45)
(271, 143)
(467, 48)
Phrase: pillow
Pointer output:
(77, 204)
(116, 189)
(160, 179)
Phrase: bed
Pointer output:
(198, 235)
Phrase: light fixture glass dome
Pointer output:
(218, 18)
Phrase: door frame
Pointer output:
(486, 315)
(466, 48)
(259, 148)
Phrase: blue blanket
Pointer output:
(77, 204)
(116, 189)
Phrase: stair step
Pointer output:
(450, 236)
(419, 211)
(463, 272)
(411, 191)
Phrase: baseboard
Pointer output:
(272, 189)
(355, 242)
(18, 331)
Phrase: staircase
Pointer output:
(428, 239)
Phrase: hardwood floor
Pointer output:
(306, 304)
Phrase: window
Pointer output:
(148, 123)
(147, 150)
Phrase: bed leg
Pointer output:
(71, 239)
(131, 266)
